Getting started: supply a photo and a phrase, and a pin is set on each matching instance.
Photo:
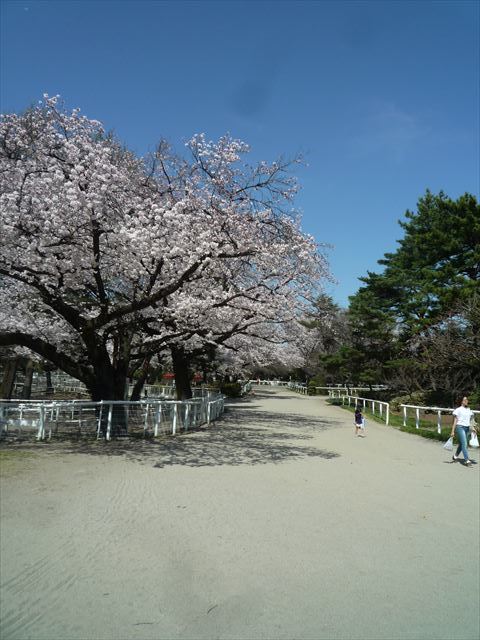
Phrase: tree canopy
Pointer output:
(108, 259)
(436, 265)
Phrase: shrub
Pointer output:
(337, 402)
(416, 398)
(231, 389)
(311, 391)
(474, 399)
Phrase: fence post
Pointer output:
(195, 414)
(175, 418)
(387, 417)
(100, 414)
(41, 427)
(187, 416)
(208, 412)
(404, 416)
(158, 414)
(417, 417)
(439, 421)
(145, 421)
(109, 422)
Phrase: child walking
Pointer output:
(359, 422)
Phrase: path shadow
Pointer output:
(216, 446)
(242, 437)
(271, 394)
(262, 418)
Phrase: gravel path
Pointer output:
(274, 523)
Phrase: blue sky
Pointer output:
(382, 97)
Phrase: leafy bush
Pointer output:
(311, 391)
(474, 399)
(416, 398)
(231, 389)
(337, 402)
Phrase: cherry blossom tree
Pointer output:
(108, 259)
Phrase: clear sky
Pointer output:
(381, 97)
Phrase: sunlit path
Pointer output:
(275, 523)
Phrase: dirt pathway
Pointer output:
(275, 523)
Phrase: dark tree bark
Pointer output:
(48, 379)
(181, 369)
(138, 387)
(109, 382)
(8, 381)
(27, 385)
(106, 387)
(140, 381)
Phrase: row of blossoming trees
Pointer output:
(110, 261)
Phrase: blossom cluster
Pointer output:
(100, 247)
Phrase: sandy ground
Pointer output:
(275, 523)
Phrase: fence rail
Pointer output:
(70, 385)
(438, 410)
(108, 418)
(382, 409)
(336, 392)
(299, 388)
(270, 383)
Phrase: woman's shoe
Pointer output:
(468, 463)
(454, 458)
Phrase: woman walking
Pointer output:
(462, 417)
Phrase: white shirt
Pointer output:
(463, 415)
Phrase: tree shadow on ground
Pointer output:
(215, 446)
(242, 437)
(267, 394)
(250, 413)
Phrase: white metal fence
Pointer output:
(378, 408)
(67, 384)
(421, 411)
(270, 383)
(299, 388)
(332, 392)
(338, 392)
(45, 419)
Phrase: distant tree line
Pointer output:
(414, 324)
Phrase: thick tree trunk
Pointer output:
(181, 370)
(27, 384)
(109, 384)
(48, 379)
(138, 387)
(140, 381)
(8, 381)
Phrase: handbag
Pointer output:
(473, 440)
(448, 444)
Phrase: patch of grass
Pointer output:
(426, 429)
(12, 459)
(12, 454)
(428, 433)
